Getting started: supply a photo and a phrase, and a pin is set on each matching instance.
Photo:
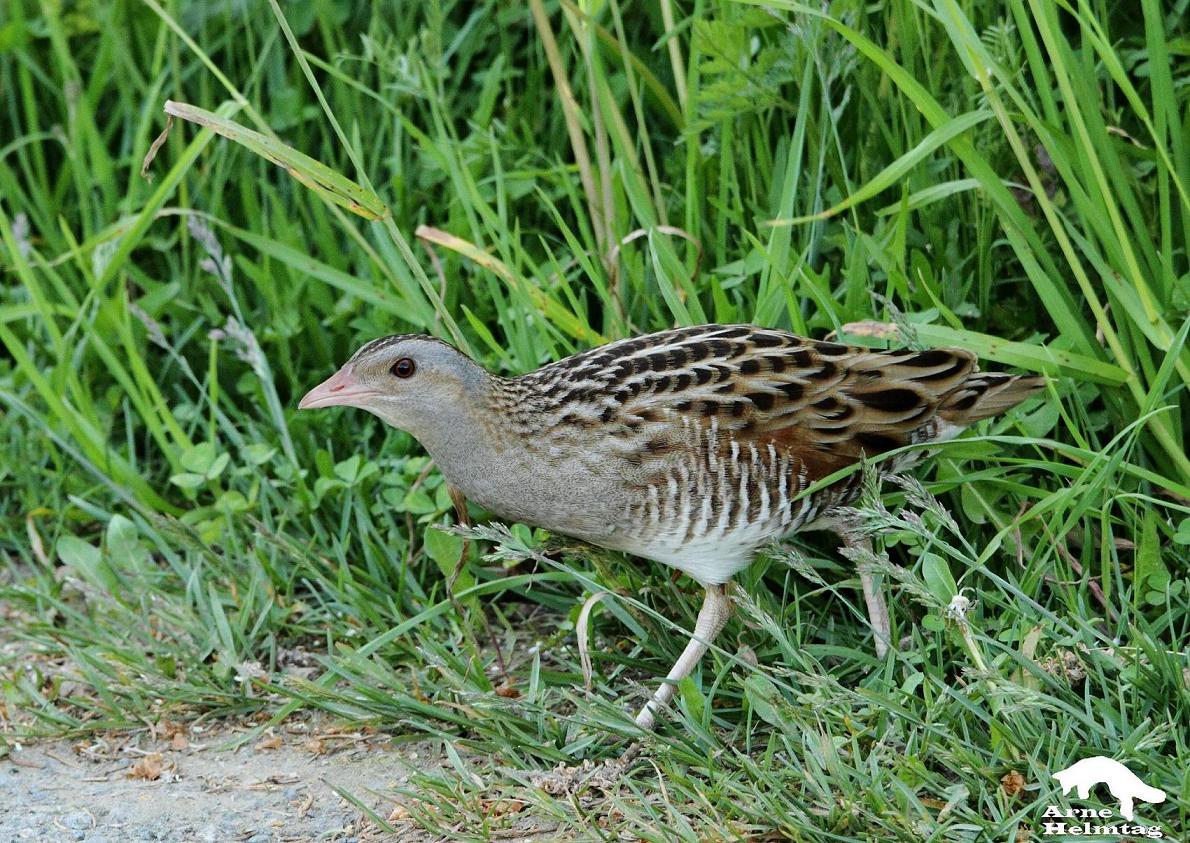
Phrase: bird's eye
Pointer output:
(403, 368)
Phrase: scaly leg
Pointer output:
(463, 517)
(873, 596)
(716, 609)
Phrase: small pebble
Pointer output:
(77, 820)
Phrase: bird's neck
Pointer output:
(466, 440)
(486, 447)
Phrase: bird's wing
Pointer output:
(827, 403)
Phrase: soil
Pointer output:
(184, 784)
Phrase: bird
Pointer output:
(692, 447)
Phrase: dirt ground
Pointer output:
(182, 784)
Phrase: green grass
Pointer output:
(1008, 176)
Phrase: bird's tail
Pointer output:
(987, 394)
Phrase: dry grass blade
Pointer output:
(330, 185)
(580, 630)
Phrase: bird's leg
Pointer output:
(464, 519)
(716, 609)
(873, 595)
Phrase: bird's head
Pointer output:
(411, 381)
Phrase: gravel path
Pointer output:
(180, 786)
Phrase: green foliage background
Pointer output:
(1009, 176)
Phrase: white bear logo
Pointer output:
(1121, 782)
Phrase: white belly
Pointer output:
(710, 559)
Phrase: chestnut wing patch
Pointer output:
(828, 403)
(877, 403)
